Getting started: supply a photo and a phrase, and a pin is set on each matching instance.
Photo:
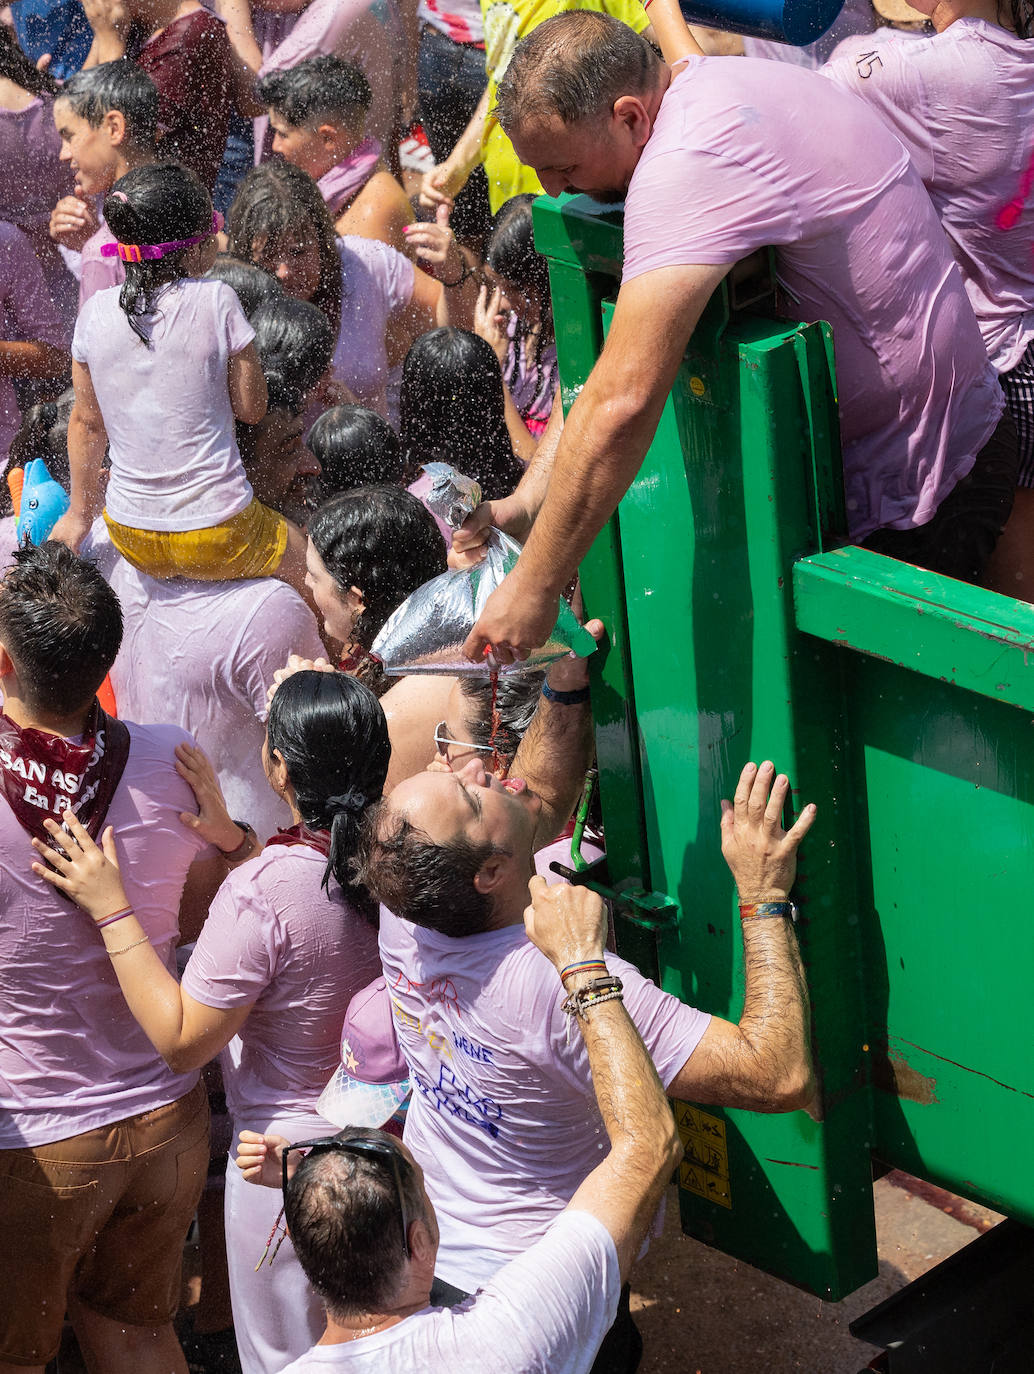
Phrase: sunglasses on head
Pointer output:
(368, 1147)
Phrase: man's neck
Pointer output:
(342, 1329)
(26, 718)
(946, 12)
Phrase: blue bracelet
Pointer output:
(574, 698)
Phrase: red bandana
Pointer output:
(302, 834)
(43, 774)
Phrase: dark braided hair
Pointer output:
(331, 733)
(155, 204)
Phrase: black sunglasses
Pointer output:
(365, 1146)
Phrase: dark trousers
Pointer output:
(960, 538)
(622, 1347)
(451, 80)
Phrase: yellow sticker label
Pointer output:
(705, 1168)
(697, 386)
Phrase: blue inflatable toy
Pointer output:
(44, 501)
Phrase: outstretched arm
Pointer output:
(764, 1062)
(674, 36)
(604, 439)
(568, 924)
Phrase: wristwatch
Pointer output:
(236, 856)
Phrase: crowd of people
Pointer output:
(262, 900)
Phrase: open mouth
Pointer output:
(515, 785)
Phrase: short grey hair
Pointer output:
(574, 67)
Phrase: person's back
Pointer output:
(962, 102)
(775, 157)
(202, 655)
(503, 1115)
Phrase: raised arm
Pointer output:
(605, 437)
(557, 745)
(764, 1062)
(568, 924)
(673, 34)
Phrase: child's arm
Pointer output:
(673, 35)
(248, 395)
(87, 440)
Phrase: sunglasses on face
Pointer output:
(365, 1147)
(442, 741)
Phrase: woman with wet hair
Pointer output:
(368, 550)
(354, 447)
(453, 410)
(252, 286)
(515, 316)
(365, 288)
(289, 940)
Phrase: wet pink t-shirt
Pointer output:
(27, 313)
(749, 154)
(72, 1057)
(97, 273)
(376, 281)
(962, 103)
(503, 1119)
(297, 955)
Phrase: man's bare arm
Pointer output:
(605, 437)
(557, 745)
(763, 1063)
(623, 1192)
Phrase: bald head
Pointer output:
(573, 68)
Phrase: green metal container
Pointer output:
(899, 701)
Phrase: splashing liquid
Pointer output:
(493, 678)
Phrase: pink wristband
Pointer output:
(119, 915)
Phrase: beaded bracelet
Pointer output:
(119, 915)
(582, 966)
(599, 990)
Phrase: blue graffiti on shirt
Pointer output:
(453, 1098)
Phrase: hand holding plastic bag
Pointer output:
(427, 632)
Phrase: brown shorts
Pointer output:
(103, 1216)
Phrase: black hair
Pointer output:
(317, 90)
(573, 67)
(344, 1217)
(381, 540)
(43, 433)
(61, 624)
(331, 733)
(253, 286)
(278, 199)
(159, 203)
(430, 884)
(355, 447)
(119, 85)
(511, 252)
(452, 409)
(20, 69)
(515, 697)
(295, 344)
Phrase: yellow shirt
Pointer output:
(507, 21)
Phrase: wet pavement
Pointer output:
(701, 1312)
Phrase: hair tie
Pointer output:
(141, 252)
(120, 195)
(352, 801)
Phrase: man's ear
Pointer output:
(492, 874)
(421, 1243)
(6, 663)
(629, 111)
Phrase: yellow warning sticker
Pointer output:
(705, 1168)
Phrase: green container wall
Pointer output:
(740, 630)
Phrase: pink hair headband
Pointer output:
(140, 252)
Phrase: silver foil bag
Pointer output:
(427, 632)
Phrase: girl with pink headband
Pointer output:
(162, 367)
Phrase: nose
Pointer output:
(65, 155)
(474, 771)
(282, 272)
